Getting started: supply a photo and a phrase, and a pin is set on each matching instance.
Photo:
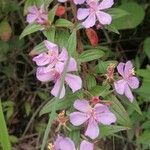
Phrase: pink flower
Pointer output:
(128, 80)
(51, 65)
(38, 15)
(65, 143)
(92, 116)
(75, 1)
(95, 12)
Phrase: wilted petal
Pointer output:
(104, 18)
(90, 21)
(82, 105)
(128, 69)
(85, 145)
(44, 75)
(79, 1)
(82, 13)
(72, 66)
(56, 88)
(106, 118)
(133, 82)
(128, 93)
(78, 118)
(120, 69)
(42, 59)
(66, 144)
(74, 82)
(92, 129)
(106, 4)
(120, 86)
(31, 18)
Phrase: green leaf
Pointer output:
(63, 23)
(4, 136)
(144, 138)
(120, 112)
(90, 55)
(91, 82)
(111, 129)
(135, 17)
(64, 103)
(117, 13)
(147, 47)
(38, 49)
(72, 43)
(112, 28)
(31, 28)
(51, 13)
(61, 37)
(50, 34)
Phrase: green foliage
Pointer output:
(147, 47)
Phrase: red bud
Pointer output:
(60, 11)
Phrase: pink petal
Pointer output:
(106, 118)
(133, 82)
(51, 46)
(55, 89)
(63, 55)
(79, 1)
(31, 18)
(32, 9)
(44, 75)
(106, 4)
(120, 69)
(104, 18)
(42, 59)
(62, 1)
(82, 105)
(60, 66)
(92, 129)
(128, 69)
(120, 86)
(66, 144)
(74, 82)
(72, 65)
(90, 21)
(128, 93)
(78, 118)
(100, 108)
(85, 145)
(82, 13)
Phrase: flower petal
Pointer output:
(128, 69)
(120, 69)
(120, 86)
(104, 18)
(90, 21)
(82, 105)
(55, 89)
(63, 55)
(42, 59)
(100, 108)
(82, 13)
(66, 144)
(74, 82)
(62, 1)
(133, 82)
(44, 75)
(128, 93)
(79, 1)
(85, 145)
(32, 9)
(106, 118)
(51, 46)
(72, 65)
(31, 18)
(106, 4)
(78, 118)
(92, 129)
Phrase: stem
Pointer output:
(53, 112)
